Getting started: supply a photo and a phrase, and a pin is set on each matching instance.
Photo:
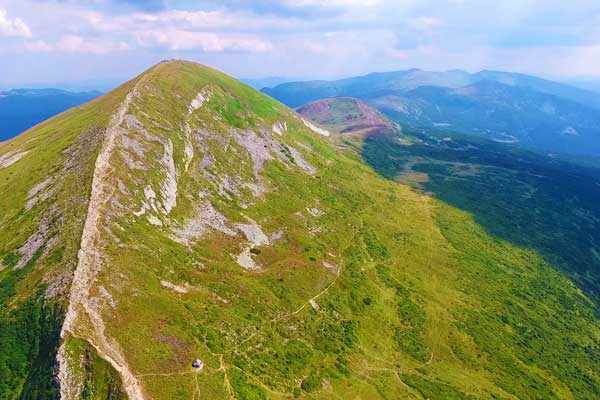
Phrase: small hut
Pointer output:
(197, 364)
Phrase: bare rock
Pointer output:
(9, 159)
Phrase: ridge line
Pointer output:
(89, 265)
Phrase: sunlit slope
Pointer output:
(45, 177)
(216, 226)
(347, 116)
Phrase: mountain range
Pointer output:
(506, 107)
(20, 109)
(186, 236)
(593, 86)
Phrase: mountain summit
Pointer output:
(186, 236)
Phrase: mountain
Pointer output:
(20, 109)
(260, 83)
(298, 93)
(295, 94)
(502, 113)
(346, 115)
(536, 113)
(579, 95)
(186, 236)
(592, 86)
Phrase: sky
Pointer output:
(77, 42)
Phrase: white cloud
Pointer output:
(175, 39)
(203, 21)
(38, 45)
(427, 23)
(13, 27)
(76, 44)
(315, 37)
(332, 3)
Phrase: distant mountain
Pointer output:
(346, 115)
(534, 112)
(20, 109)
(585, 97)
(502, 113)
(592, 86)
(268, 82)
(295, 94)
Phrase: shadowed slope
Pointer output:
(21, 109)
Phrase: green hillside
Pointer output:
(192, 217)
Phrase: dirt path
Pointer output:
(197, 392)
(281, 318)
(314, 298)
(81, 309)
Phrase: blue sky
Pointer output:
(69, 41)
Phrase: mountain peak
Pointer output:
(173, 157)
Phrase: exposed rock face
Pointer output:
(256, 238)
(315, 212)
(38, 240)
(161, 197)
(176, 288)
(316, 129)
(39, 193)
(9, 159)
(202, 96)
(257, 147)
(206, 218)
(280, 127)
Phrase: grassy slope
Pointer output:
(527, 199)
(64, 148)
(427, 304)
